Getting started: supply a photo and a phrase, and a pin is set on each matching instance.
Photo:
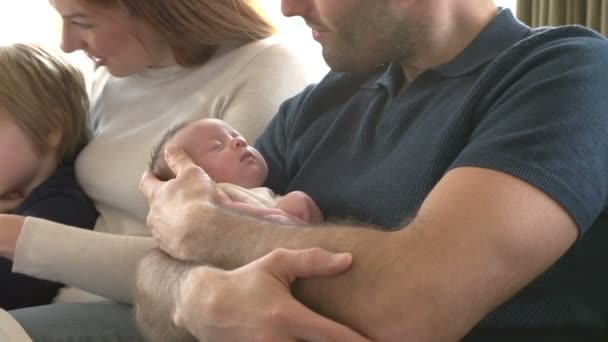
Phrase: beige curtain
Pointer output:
(590, 13)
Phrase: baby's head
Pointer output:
(216, 147)
(43, 115)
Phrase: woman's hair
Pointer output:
(195, 28)
(41, 92)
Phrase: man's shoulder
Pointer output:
(564, 43)
(571, 55)
(556, 33)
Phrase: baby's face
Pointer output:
(223, 153)
(19, 162)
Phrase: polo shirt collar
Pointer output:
(498, 36)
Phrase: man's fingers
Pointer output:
(177, 159)
(307, 325)
(288, 265)
(149, 184)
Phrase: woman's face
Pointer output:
(111, 37)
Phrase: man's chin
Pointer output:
(340, 64)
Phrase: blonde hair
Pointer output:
(195, 28)
(42, 93)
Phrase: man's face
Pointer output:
(358, 34)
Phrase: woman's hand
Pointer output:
(10, 229)
(10, 202)
(254, 302)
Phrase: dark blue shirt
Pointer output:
(530, 103)
(59, 199)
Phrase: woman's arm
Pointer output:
(96, 262)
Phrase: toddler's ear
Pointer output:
(54, 137)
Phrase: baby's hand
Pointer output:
(286, 219)
(10, 202)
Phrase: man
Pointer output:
(462, 158)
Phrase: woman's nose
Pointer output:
(291, 8)
(69, 41)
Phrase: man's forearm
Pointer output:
(241, 238)
(158, 280)
(344, 298)
(406, 284)
(379, 296)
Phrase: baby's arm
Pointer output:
(273, 214)
(299, 204)
(295, 207)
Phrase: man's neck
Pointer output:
(451, 31)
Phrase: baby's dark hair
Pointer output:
(156, 165)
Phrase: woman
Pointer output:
(157, 63)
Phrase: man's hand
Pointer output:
(254, 302)
(10, 202)
(189, 217)
(178, 207)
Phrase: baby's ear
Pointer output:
(54, 137)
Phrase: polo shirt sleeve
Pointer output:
(545, 120)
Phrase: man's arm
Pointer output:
(477, 226)
(156, 290)
(173, 306)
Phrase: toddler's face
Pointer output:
(223, 153)
(19, 162)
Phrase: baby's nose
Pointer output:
(239, 142)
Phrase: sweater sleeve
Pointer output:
(78, 253)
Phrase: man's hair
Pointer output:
(195, 28)
(43, 93)
(156, 164)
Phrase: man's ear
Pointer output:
(54, 138)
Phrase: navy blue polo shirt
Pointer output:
(530, 103)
